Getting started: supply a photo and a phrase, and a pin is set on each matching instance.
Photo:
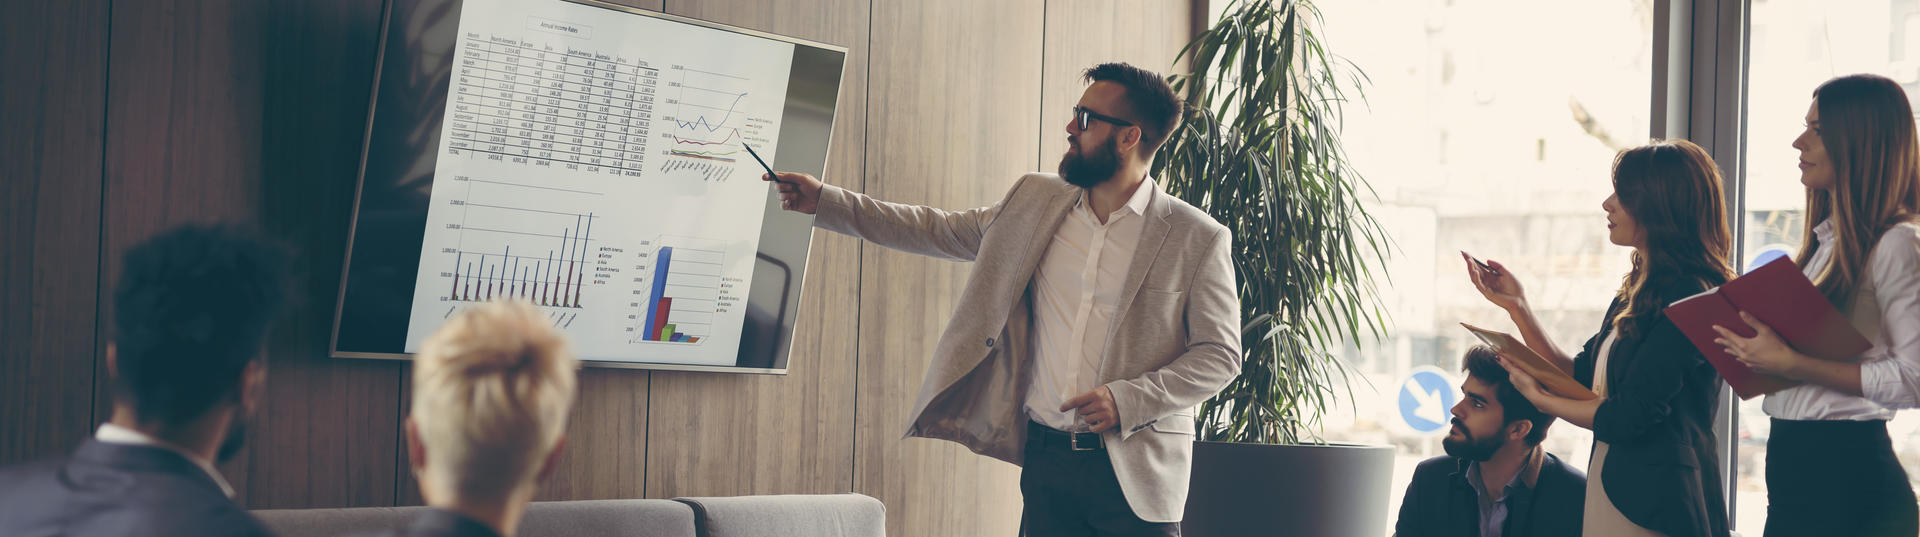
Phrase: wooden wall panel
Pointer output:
(954, 102)
(725, 435)
(183, 134)
(330, 427)
(607, 439)
(52, 119)
(1084, 33)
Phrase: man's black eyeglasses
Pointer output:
(1083, 115)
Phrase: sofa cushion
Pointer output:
(583, 518)
(335, 522)
(608, 518)
(834, 515)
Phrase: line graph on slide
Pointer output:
(709, 123)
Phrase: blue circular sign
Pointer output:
(1767, 253)
(1426, 400)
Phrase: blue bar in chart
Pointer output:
(656, 319)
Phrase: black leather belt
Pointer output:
(1051, 438)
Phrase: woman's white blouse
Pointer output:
(1890, 371)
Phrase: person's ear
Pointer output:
(1518, 430)
(1130, 139)
(253, 385)
(553, 459)
(416, 452)
(113, 361)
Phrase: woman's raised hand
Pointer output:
(1499, 285)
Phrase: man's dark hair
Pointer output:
(1152, 103)
(190, 311)
(1482, 362)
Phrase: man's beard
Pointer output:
(236, 439)
(1084, 171)
(1473, 449)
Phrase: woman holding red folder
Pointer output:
(1831, 469)
(1654, 470)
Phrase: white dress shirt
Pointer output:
(1076, 291)
(115, 434)
(1887, 310)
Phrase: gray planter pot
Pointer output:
(1335, 490)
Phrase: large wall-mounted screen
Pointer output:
(593, 160)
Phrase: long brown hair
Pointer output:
(1672, 189)
(1867, 127)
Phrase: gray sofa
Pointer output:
(836, 515)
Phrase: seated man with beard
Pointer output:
(187, 363)
(1495, 480)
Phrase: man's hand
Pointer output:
(1096, 408)
(799, 192)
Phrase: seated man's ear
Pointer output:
(553, 459)
(1518, 430)
(253, 385)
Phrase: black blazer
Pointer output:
(1441, 503)
(113, 489)
(1661, 470)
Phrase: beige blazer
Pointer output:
(1175, 340)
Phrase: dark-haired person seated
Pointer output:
(1495, 480)
(491, 391)
(190, 321)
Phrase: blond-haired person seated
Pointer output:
(491, 391)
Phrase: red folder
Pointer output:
(1781, 297)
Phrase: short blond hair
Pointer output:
(491, 392)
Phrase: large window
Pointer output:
(1794, 46)
(1489, 126)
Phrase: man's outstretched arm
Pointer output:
(909, 228)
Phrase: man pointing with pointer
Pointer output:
(1100, 313)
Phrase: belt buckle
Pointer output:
(1073, 441)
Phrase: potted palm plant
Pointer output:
(1261, 153)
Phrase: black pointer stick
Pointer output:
(763, 164)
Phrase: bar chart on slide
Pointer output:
(686, 288)
(522, 240)
(553, 279)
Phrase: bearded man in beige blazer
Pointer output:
(1100, 312)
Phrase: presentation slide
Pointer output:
(597, 167)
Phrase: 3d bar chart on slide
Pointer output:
(687, 289)
(585, 168)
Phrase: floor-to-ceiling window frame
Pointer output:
(1699, 75)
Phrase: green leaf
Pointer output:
(1260, 151)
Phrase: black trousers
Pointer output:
(1837, 478)
(1074, 493)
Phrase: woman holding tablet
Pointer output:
(1654, 470)
(1831, 469)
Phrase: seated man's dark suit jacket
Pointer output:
(109, 490)
(1441, 503)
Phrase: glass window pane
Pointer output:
(1490, 131)
(1795, 46)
